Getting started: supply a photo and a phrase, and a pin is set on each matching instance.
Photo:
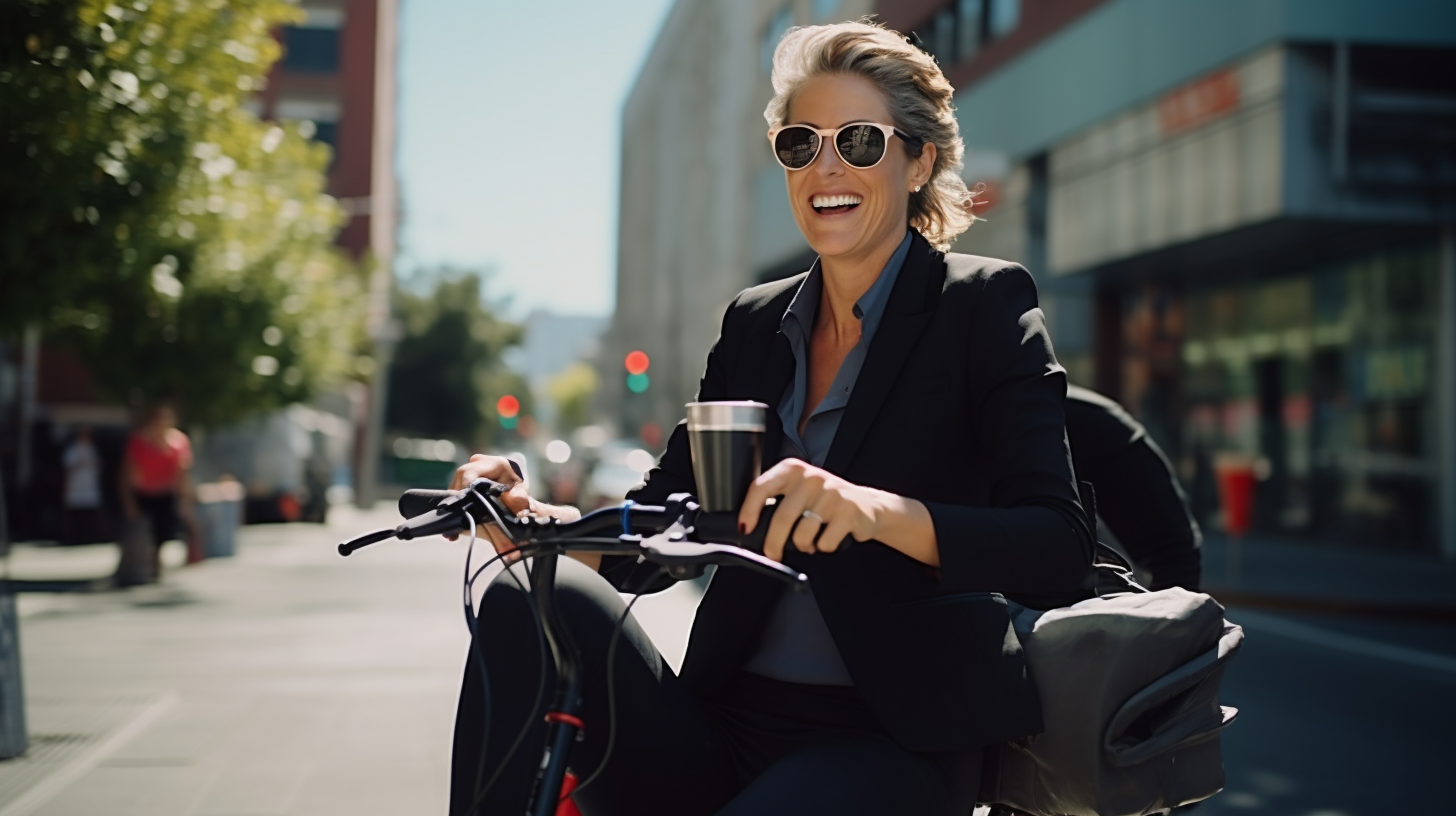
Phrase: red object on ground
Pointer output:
(289, 508)
(1236, 496)
(567, 807)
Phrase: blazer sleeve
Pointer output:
(1033, 537)
(672, 474)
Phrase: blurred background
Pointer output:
(351, 242)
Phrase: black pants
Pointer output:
(766, 747)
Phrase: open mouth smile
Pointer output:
(835, 204)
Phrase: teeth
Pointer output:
(824, 202)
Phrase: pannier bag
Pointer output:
(1128, 682)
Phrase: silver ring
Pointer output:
(810, 514)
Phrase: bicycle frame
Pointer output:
(438, 512)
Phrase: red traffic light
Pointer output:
(637, 362)
(508, 406)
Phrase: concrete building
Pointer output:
(1240, 213)
(703, 210)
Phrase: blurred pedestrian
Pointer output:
(1137, 495)
(82, 516)
(156, 481)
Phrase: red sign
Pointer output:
(1199, 102)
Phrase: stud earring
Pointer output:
(916, 190)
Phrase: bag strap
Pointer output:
(1182, 728)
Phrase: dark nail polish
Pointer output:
(742, 528)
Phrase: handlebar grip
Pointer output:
(723, 527)
(419, 502)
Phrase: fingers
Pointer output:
(772, 482)
(496, 468)
(834, 533)
(811, 521)
(790, 510)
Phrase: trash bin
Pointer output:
(219, 512)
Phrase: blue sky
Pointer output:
(509, 135)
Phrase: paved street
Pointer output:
(290, 681)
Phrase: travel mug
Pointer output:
(726, 439)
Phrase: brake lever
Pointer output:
(684, 559)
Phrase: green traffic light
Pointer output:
(508, 422)
(637, 383)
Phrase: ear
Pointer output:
(922, 165)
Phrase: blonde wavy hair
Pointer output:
(919, 98)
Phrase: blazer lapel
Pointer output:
(778, 370)
(906, 315)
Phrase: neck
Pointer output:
(847, 278)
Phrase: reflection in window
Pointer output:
(1004, 17)
(781, 22)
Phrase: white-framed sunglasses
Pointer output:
(860, 145)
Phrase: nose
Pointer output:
(828, 163)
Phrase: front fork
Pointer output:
(564, 716)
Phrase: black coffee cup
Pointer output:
(726, 439)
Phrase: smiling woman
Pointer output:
(916, 406)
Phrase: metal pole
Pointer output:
(13, 738)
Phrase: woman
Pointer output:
(155, 479)
(916, 405)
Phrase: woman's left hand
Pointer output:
(826, 507)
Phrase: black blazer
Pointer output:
(959, 405)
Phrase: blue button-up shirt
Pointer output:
(796, 645)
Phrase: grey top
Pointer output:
(796, 645)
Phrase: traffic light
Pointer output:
(509, 409)
(637, 363)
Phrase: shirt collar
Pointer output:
(869, 308)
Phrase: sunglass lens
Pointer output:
(861, 145)
(796, 147)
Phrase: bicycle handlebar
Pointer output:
(628, 529)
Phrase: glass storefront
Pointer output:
(1326, 373)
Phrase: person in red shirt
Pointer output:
(155, 479)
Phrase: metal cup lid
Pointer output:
(727, 416)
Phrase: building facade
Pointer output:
(1240, 214)
(703, 211)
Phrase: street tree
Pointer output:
(447, 373)
(153, 224)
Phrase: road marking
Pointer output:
(33, 799)
(1364, 647)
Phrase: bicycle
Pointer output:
(678, 536)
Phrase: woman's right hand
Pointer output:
(517, 499)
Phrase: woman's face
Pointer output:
(882, 191)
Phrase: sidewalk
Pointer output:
(286, 680)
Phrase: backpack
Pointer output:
(1128, 681)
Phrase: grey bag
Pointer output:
(1128, 682)
(138, 553)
